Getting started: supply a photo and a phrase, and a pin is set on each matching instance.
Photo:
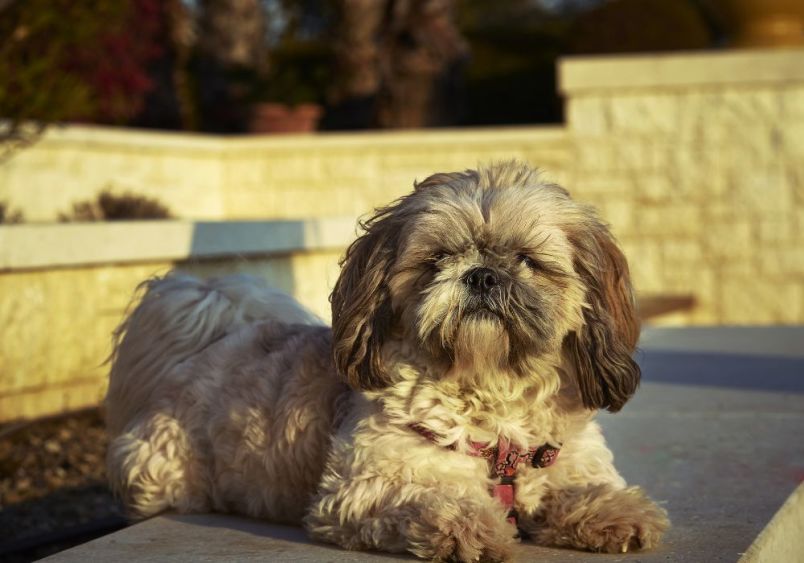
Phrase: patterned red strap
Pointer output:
(504, 461)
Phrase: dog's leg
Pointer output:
(582, 502)
(151, 469)
(431, 522)
(599, 518)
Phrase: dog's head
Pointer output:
(491, 270)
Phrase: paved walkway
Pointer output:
(716, 432)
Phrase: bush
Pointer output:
(75, 59)
(109, 206)
(9, 216)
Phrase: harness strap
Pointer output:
(503, 460)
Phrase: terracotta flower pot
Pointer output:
(761, 23)
(281, 118)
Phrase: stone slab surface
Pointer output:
(26, 247)
(715, 433)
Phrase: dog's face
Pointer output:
(489, 271)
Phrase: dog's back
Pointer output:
(178, 316)
(199, 371)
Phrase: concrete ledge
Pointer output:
(650, 70)
(721, 456)
(782, 539)
(64, 288)
(25, 247)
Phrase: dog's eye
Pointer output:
(438, 257)
(528, 261)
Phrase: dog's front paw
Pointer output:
(601, 518)
(462, 531)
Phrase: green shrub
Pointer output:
(9, 216)
(109, 206)
(80, 60)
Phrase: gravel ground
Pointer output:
(53, 492)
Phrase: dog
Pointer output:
(478, 324)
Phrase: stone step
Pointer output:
(715, 434)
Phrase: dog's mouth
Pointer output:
(482, 312)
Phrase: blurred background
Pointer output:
(230, 66)
(221, 136)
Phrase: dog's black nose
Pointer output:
(481, 280)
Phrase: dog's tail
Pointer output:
(177, 317)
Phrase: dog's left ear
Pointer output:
(361, 304)
(601, 350)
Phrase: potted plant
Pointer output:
(288, 99)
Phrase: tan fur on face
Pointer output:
(226, 395)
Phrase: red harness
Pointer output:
(504, 461)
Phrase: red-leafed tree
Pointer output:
(84, 60)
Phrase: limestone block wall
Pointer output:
(75, 163)
(57, 335)
(58, 319)
(698, 163)
(294, 176)
(352, 174)
(696, 160)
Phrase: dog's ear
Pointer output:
(602, 349)
(361, 304)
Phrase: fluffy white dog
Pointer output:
(478, 325)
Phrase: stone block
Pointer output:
(798, 224)
(654, 114)
(743, 106)
(677, 219)
(782, 261)
(588, 115)
(738, 148)
(698, 114)
(59, 333)
(243, 171)
(696, 174)
(595, 156)
(653, 188)
(721, 211)
(763, 191)
(776, 229)
(727, 241)
(682, 253)
(645, 262)
(599, 186)
(619, 213)
(795, 178)
(362, 163)
(791, 99)
(638, 154)
(792, 138)
(761, 300)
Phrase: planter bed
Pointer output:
(64, 288)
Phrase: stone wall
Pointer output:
(72, 164)
(696, 160)
(58, 320)
(294, 176)
(58, 333)
(698, 163)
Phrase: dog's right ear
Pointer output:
(361, 303)
(602, 350)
